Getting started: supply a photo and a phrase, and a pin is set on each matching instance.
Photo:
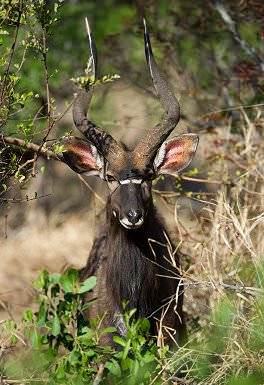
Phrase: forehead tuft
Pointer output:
(118, 162)
(127, 169)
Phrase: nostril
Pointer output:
(134, 216)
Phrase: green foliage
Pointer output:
(250, 31)
(43, 45)
(63, 348)
(87, 81)
(69, 348)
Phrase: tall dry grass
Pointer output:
(224, 284)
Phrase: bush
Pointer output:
(62, 348)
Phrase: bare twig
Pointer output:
(91, 189)
(236, 162)
(11, 53)
(200, 180)
(99, 374)
(27, 199)
(231, 25)
(232, 108)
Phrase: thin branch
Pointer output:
(46, 153)
(99, 374)
(27, 199)
(231, 25)
(232, 108)
(44, 56)
(200, 180)
(12, 52)
(91, 189)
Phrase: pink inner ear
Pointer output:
(83, 155)
(173, 149)
(178, 153)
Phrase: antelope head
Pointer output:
(129, 172)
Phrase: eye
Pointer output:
(112, 182)
(110, 178)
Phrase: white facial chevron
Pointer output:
(127, 181)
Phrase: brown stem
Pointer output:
(30, 146)
(200, 180)
(232, 27)
(11, 53)
(99, 374)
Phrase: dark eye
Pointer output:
(110, 178)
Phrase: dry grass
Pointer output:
(229, 231)
(227, 250)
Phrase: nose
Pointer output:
(134, 216)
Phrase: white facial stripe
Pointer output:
(128, 225)
(127, 181)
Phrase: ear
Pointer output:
(82, 156)
(176, 154)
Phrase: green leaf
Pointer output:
(87, 285)
(74, 357)
(35, 339)
(144, 325)
(41, 318)
(60, 372)
(126, 350)
(119, 341)
(110, 329)
(149, 357)
(55, 277)
(56, 327)
(135, 367)
(88, 304)
(90, 353)
(28, 315)
(42, 281)
(68, 281)
(114, 368)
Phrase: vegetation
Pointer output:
(62, 348)
(220, 236)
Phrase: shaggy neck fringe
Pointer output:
(132, 263)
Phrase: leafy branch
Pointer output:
(38, 149)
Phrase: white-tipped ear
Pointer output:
(176, 154)
(82, 156)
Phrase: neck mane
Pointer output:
(132, 262)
